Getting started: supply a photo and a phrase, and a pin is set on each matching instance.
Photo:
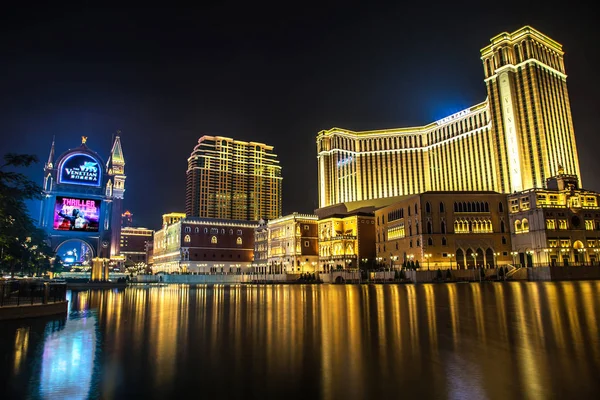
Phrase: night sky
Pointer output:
(274, 75)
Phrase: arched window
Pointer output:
(455, 206)
(502, 227)
(478, 207)
(238, 240)
(213, 240)
(418, 243)
(205, 230)
(197, 230)
(222, 231)
(443, 226)
(486, 207)
(416, 209)
(410, 231)
(525, 225)
(187, 239)
(430, 242)
(517, 226)
(503, 240)
(188, 229)
(429, 228)
(500, 207)
(231, 231)
(468, 206)
(444, 241)
(442, 207)
(427, 207)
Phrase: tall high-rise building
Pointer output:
(520, 135)
(232, 179)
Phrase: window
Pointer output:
(444, 242)
(418, 243)
(306, 242)
(197, 230)
(231, 231)
(502, 227)
(503, 240)
(306, 227)
(500, 207)
(205, 230)
(427, 207)
(430, 242)
(441, 207)
(239, 231)
(443, 226)
(213, 240)
(187, 239)
(188, 229)
(416, 209)
(222, 231)
(214, 231)
(238, 240)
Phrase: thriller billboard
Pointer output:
(73, 214)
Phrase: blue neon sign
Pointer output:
(81, 169)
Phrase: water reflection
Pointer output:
(496, 341)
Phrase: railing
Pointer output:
(30, 292)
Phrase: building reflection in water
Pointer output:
(505, 340)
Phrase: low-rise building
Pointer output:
(204, 246)
(134, 242)
(261, 248)
(346, 241)
(558, 225)
(444, 230)
(292, 244)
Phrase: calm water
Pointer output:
(480, 341)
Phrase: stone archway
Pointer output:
(75, 252)
(460, 259)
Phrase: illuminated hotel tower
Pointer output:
(514, 140)
(232, 179)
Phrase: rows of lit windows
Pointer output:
(396, 232)
(473, 225)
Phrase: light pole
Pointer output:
(514, 255)
(427, 257)
(475, 260)
(451, 257)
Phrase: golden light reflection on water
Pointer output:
(21, 347)
(504, 340)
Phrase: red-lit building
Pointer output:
(134, 242)
(204, 245)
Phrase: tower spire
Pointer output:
(50, 163)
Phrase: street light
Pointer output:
(451, 257)
(427, 257)
(474, 259)
(514, 255)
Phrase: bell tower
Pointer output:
(115, 188)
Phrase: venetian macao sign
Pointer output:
(81, 169)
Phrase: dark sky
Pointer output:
(275, 75)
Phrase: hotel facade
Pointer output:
(559, 225)
(203, 245)
(444, 230)
(232, 179)
(514, 140)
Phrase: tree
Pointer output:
(22, 244)
(57, 265)
(438, 275)
(448, 275)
